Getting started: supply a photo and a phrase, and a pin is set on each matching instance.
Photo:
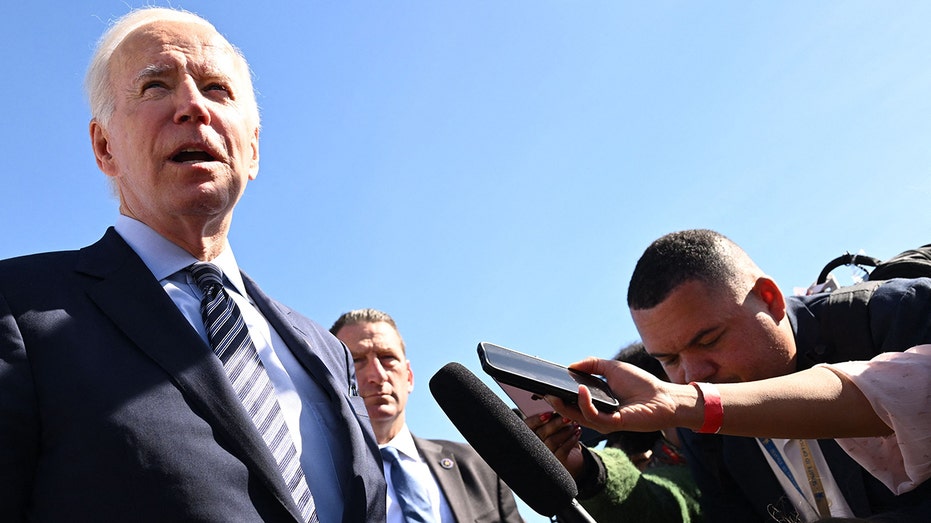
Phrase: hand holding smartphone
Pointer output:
(526, 379)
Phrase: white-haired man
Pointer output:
(144, 377)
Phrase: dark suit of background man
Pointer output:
(461, 486)
(113, 406)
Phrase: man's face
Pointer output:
(383, 372)
(181, 141)
(700, 333)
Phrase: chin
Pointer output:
(383, 412)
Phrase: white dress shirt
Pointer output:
(414, 464)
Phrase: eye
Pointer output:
(710, 339)
(153, 84)
(218, 89)
(389, 361)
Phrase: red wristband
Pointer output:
(714, 410)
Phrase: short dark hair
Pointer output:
(357, 316)
(677, 258)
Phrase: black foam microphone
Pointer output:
(503, 440)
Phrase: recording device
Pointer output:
(526, 379)
(503, 440)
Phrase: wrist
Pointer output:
(593, 478)
(712, 407)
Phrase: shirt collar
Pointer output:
(404, 442)
(165, 258)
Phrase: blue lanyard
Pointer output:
(781, 463)
(823, 507)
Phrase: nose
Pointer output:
(191, 104)
(372, 372)
(694, 369)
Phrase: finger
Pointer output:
(556, 424)
(537, 421)
(559, 437)
(586, 405)
(594, 418)
(591, 365)
(569, 445)
(570, 411)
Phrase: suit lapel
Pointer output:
(442, 464)
(330, 366)
(132, 298)
(278, 317)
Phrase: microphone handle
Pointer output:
(574, 513)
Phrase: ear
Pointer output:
(100, 142)
(768, 292)
(254, 162)
(410, 377)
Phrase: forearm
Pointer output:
(815, 403)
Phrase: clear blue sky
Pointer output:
(492, 170)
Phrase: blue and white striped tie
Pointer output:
(231, 342)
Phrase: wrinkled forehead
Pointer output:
(380, 342)
(172, 43)
(379, 338)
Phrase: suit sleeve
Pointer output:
(19, 427)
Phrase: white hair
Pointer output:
(97, 80)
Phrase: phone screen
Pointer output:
(539, 376)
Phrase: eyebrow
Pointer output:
(152, 71)
(208, 70)
(694, 340)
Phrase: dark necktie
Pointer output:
(231, 342)
(411, 495)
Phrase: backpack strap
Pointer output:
(913, 263)
(844, 324)
(848, 259)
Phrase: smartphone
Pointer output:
(526, 379)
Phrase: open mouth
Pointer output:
(191, 155)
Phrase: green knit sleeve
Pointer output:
(665, 494)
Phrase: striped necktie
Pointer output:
(411, 495)
(231, 342)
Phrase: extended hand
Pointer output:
(647, 403)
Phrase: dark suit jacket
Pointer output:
(737, 483)
(112, 408)
(474, 492)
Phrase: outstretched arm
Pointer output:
(833, 406)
